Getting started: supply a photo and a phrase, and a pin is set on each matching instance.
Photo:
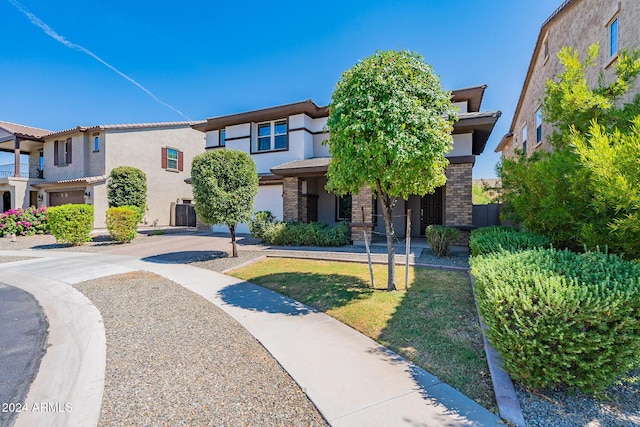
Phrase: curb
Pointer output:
(506, 398)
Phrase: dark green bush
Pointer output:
(122, 223)
(494, 239)
(259, 222)
(300, 234)
(559, 318)
(127, 186)
(441, 238)
(71, 223)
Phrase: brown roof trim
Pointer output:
(307, 107)
(88, 180)
(315, 166)
(455, 160)
(473, 95)
(541, 35)
(505, 139)
(480, 125)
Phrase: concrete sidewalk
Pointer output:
(350, 378)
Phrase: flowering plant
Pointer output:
(24, 222)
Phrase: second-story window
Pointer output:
(539, 125)
(613, 37)
(96, 143)
(62, 152)
(524, 139)
(172, 159)
(223, 137)
(272, 135)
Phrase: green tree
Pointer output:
(565, 194)
(127, 186)
(390, 126)
(225, 184)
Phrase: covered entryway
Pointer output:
(6, 201)
(58, 198)
(431, 210)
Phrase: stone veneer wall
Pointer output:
(458, 200)
(291, 199)
(364, 199)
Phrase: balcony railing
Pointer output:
(27, 170)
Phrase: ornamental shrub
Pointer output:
(259, 222)
(127, 186)
(71, 223)
(24, 222)
(441, 238)
(495, 239)
(300, 234)
(122, 223)
(559, 318)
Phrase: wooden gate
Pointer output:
(185, 215)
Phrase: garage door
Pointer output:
(63, 197)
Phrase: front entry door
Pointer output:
(431, 209)
(6, 201)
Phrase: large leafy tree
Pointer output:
(225, 184)
(580, 193)
(390, 126)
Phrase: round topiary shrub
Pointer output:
(127, 186)
(559, 318)
(71, 223)
(122, 223)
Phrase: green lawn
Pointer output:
(434, 324)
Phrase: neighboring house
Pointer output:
(579, 24)
(286, 144)
(16, 178)
(77, 162)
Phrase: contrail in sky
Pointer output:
(51, 33)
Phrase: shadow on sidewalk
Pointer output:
(256, 298)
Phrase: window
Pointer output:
(223, 137)
(539, 125)
(272, 136)
(96, 143)
(172, 159)
(62, 154)
(613, 37)
(343, 208)
(524, 139)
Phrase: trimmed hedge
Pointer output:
(71, 223)
(122, 223)
(496, 238)
(300, 234)
(559, 318)
(441, 238)
(259, 222)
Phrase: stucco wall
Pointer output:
(581, 25)
(142, 149)
(269, 198)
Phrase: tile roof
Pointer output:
(125, 126)
(83, 180)
(25, 131)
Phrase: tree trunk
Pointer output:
(387, 207)
(234, 248)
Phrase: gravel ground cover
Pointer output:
(618, 406)
(173, 358)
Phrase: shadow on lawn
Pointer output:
(320, 291)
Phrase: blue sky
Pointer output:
(206, 59)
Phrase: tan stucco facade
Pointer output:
(579, 24)
(129, 145)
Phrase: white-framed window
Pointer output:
(172, 158)
(223, 137)
(272, 136)
(539, 125)
(524, 138)
(613, 37)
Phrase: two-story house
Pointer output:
(286, 143)
(76, 164)
(579, 24)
